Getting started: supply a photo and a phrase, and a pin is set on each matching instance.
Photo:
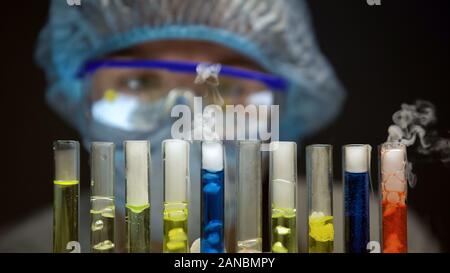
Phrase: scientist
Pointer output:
(115, 68)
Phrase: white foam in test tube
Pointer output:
(283, 173)
(137, 157)
(212, 156)
(357, 158)
(176, 170)
(393, 159)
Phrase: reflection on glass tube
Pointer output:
(393, 197)
(102, 197)
(356, 169)
(212, 198)
(283, 180)
(319, 176)
(176, 182)
(137, 161)
(249, 238)
(65, 194)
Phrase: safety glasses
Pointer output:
(136, 96)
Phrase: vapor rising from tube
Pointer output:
(208, 74)
(413, 126)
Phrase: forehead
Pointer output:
(189, 50)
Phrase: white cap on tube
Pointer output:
(176, 170)
(283, 173)
(137, 156)
(357, 158)
(212, 156)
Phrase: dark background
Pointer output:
(384, 55)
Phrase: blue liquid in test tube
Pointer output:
(212, 198)
(356, 197)
(356, 212)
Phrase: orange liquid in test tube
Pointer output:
(394, 192)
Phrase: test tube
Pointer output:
(393, 185)
(212, 198)
(102, 197)
(249, 231)
(66, 194)
(283, 184)
(319, 177)
(356, 173)
(176, 185)
(137, 162)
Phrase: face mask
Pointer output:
(128, 113)
(261, 98)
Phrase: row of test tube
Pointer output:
(356, 175)
(283, 180)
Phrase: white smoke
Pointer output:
(208, 74)
(413, 126)
(410, 123)
(207, 122)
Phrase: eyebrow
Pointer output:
(126, 52)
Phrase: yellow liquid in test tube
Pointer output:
(65, 214)
(175, 228)
(284, 230)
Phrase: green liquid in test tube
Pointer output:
(137, 161)
(66, 195)
(176, 185)
(283, 180)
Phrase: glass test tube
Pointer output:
(319, 176)
(65, 194)
(102, 197)
(249, 206)
(137, 162)
(283, 178)
(212, 198)
(176, 185)
(356, 173)
(394, 186)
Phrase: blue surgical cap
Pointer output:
(275, 34)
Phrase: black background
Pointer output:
(384, 55)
